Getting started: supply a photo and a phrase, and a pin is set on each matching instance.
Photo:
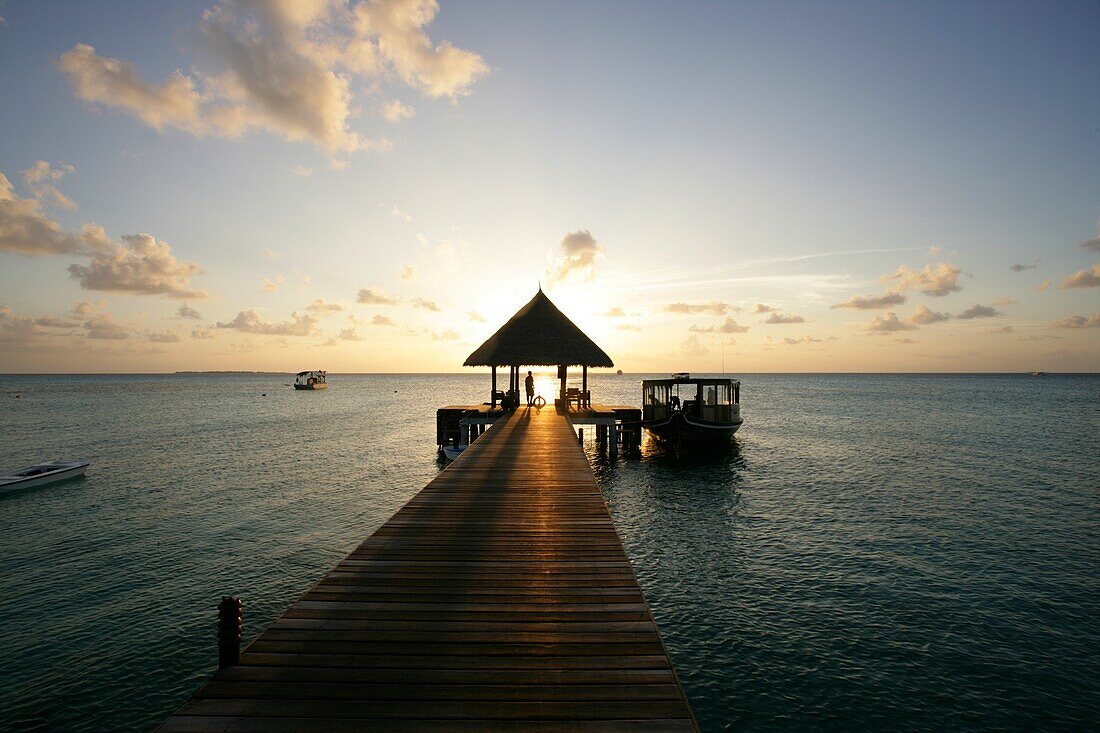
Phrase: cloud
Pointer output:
(727, 326)
(1043, 285)
(692, 346)
(351, 334)
(248, 321)
(164, 337)
(781, 318)
(475, 317)
(615, 312)
(627, 327)
(1091, 245)
(321, 306)
(888, 323)
(285, 68)
(270, 285)
(872, 302)
(187, 312)
(446, 336)
(396, 110)
(375, 296)
(1002, 329)
(397, 212)
(761, 308)
(39, 180)
(924, 316)
(979, 311)
(202, 333)
(301, 171)
(1021, 268)
(138, 264)
(1092, 321)
(270, 254)
(408, 272)
(905, 340)
(713, 308)
(428, 305)
(104, 326)
(16, 329)
(576, 258)
(1083, 278)
(938, 281)
(53, 322)
(801, 340)
(381, 320)
(934, 250)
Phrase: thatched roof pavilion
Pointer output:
(539, 335)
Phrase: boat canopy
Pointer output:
(684, 378)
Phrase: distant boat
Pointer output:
(1038, 374)
(619, 372)
(43, 473)
(310, 380)
(686, 410)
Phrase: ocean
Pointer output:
(875, 552)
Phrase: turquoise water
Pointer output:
(875, 553)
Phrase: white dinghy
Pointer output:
(43, 473)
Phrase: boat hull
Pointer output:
(322, 385)
(63, 474)
(680, 429)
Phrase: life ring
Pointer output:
(540, 402)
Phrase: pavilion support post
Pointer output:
(563, 374)
(493, 394)
(613, 442)
(584, 384)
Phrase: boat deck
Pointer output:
(498, 598)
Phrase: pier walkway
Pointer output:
(499, 598)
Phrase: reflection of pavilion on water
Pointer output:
(540, 335)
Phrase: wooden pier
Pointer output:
(499, 598)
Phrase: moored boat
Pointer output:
(42, 473)
(686, 410)
(311, 380)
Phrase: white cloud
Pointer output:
(285, 68)
(627, 327)
(475, 317)
(104, 326)
(888, 323)
(186, 311)
(1092, 321)
(270, 254)
(713, 308)
(54, 322)
(248, 321)
(375, 296)
(575, 259)
(428, 305)
(872, 302)
(761, 308)
(446, 336)
(924, 316)
(1091, 245)
(381, 320)
(271, 284)
(138, 264)
(40, 179)
(16, 329)
(408, 272)
(1083, 278)
(692, 346)
(780, 318)
(615, 312)
(727, 326)
(164, 337)
(801, 340)
(978, 311)
(322, 306)
(396, 110)
(938, 281)
(351, 334)
(1041, 287)
(202, 333)
(397, 212)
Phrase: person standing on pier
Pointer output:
(529, 383)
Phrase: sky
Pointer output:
(378, 186)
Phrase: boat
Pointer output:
(1038, 374)
(42, 473)
(311, 380)
(682, 409)
(451, 452)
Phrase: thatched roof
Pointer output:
(539, 335)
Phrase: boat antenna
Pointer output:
(723, 343)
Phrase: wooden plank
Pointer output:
(499, 598)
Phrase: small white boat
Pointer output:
(453, 451)
(43, 473)
(311, 380)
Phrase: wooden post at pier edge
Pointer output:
(230, 626)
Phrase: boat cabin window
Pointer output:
(655, 401)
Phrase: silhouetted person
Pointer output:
(529, 383)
